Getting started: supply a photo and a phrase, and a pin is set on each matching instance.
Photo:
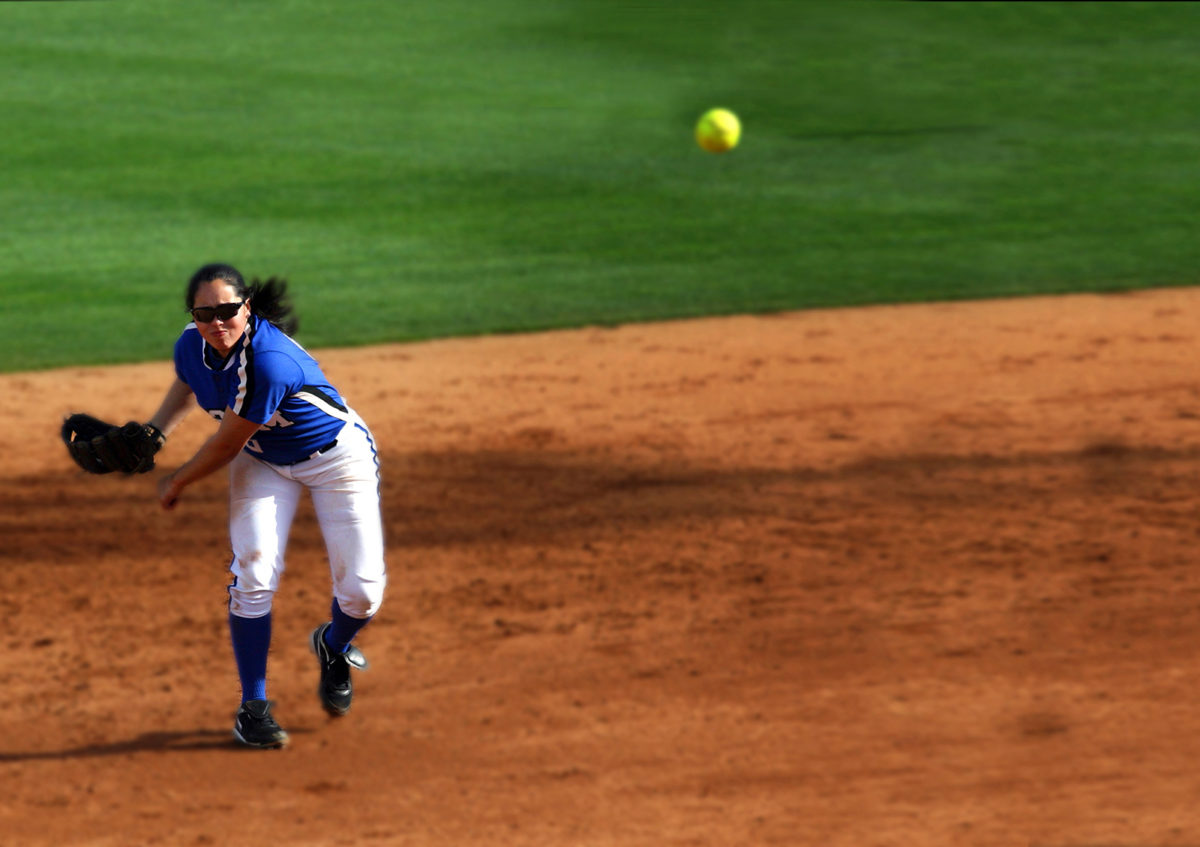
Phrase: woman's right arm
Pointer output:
(175, 407)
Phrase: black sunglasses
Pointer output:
(207, 314)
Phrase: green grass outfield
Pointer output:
(446, 167)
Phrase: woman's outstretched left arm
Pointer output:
(213, 455)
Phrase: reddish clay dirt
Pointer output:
(888, 576)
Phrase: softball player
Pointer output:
(283, 429)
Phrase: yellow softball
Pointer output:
(718, 130)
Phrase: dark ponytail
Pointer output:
(269, 300)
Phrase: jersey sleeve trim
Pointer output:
(318, 398)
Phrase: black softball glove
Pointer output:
(100, 447)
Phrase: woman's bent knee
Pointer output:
(250, 604)
(362, 601)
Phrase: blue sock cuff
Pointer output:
(343, 629)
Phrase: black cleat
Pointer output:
(335, 689)
(254, 726)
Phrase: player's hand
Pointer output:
(168, 492)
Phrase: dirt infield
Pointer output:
(889, 576)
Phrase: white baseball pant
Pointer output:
(344, 485)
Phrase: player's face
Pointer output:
(220, 333)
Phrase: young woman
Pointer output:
(283, 429)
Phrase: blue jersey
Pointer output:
(268, 379)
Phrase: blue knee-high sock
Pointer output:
(251, 641)
(339, 636)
